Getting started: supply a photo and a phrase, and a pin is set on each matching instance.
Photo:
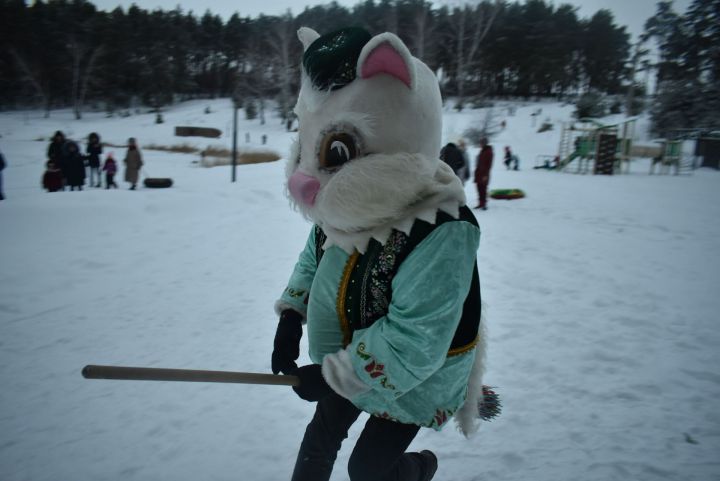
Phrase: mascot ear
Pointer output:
(386, 53)
(307, 36)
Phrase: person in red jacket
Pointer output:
(482, 172)
(52, 178)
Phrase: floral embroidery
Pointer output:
(379, 278)
(295, 293)
(374, 368)
(441, 417)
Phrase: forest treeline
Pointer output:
(68, 53)
(63, 53)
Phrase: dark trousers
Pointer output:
(482, 192)
(110, 180)
(379, 454)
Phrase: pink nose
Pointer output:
(304, 188)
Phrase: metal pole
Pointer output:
(234, 143)
(185, 375)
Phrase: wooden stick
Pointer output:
(185, 375)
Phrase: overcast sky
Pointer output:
(630, 13)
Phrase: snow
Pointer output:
(601, 292)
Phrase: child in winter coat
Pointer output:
(110, 169)
(52, 178)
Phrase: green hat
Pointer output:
(330, 61)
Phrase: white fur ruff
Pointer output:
(466, 418)
(373, 195)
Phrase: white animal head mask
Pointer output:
(367, 156)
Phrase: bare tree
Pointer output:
(282, 36)
(421, 22)
(34, 78)
(80, 77)
(472, 22)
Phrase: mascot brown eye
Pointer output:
(337, 148)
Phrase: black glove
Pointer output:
(286, 348)
(312, 383)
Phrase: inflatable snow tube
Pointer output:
(158, 183)
(507, 194)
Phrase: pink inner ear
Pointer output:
(385, 59)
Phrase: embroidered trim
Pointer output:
(441, 417)
(341, 295)
(463, 349)
(376, 288)
(295, 293)
(374, 368)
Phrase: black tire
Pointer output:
(158, 183)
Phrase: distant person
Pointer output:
(482, 172)
(52, 180)
(133, 163)
(511, 160)
(56, 151)
(74, 166)
(463, 148)
(2, 167)
(452, 155)
(93, 151)
(110, 169)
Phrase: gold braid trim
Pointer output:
(463, 349)
(341, 308)
(341, 295)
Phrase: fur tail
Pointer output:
(466, 418)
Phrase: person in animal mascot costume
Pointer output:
(387, 284)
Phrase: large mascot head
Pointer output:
(367, 156)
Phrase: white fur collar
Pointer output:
(369, 198)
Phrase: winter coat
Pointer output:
(56, 153)
(2, 162)
(110, 166)
(74, 166)
(94, 150)
(133, 163)
(484, 164)
(453, 156)
(52, 180)
(403, 357)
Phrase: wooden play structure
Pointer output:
(684, 150)
(587, 146)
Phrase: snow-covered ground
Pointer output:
(602, 297)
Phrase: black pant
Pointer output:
(109, 180)
(379, 454)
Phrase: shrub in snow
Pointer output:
(590, 104)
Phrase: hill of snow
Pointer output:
(602, 296)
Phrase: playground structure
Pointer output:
(587, 146)
(671, 155)
(687, 149)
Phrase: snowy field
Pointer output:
(602, 292)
